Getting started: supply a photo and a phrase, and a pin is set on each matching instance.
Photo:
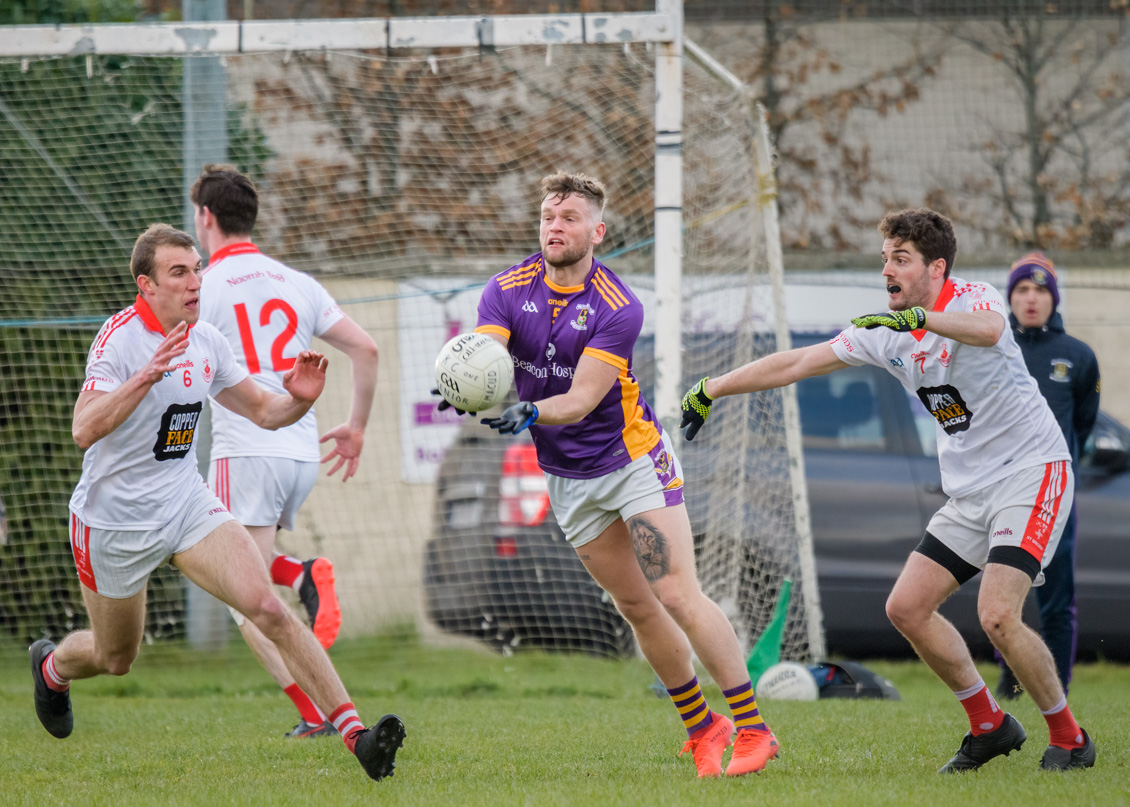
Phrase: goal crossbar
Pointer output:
(248, 97)
(260, 36)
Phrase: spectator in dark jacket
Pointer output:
(1068, 375)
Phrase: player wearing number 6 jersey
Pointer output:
(141, 501)
(269, 313)
(1004, 463)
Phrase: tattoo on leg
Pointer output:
(651, 549)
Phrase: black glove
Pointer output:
(912, 319)
(514, 419)
(696, 409)
(446, 404)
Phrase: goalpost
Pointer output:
(396, 160)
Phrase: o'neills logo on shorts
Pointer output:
(177, 431)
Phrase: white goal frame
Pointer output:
(368, 33)
(662, 29)
(763, 168)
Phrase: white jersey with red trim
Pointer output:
(991, 418)
(269, 313)
(136, 477)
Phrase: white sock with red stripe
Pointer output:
(347, 723)
(51, 676)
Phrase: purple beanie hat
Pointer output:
(1036, 267)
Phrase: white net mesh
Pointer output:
(402, 184)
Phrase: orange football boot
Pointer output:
(708, 744)
(752, 751)
(318, 596)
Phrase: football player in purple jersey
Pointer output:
(615, 483)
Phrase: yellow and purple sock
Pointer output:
(743, 707)
(692, 707)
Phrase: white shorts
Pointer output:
(263, 491)
(1027, 510)
(587, 507)
(117, 563)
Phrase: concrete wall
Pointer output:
(929, 146)
(374, 526)
(1101, 318)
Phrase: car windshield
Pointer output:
(839, 411)
(1108, 435)
(925, 426)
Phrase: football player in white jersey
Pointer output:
(141, 502)
(1004, 463)
(269, 313)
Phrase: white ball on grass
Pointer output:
(787, 681)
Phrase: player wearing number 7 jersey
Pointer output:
(1005, 467)
(269, 313)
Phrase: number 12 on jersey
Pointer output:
(279, 363)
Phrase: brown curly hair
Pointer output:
(929, 231)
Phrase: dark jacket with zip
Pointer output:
(1067, 373)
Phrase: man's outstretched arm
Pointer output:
(303, 382)
(974, 328)
(770, 372)
(349, 437)
(776, 370)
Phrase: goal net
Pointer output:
(402, 182)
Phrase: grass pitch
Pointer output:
(533, 729)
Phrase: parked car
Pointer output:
(498, 566)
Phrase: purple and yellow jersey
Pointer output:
(548, 328)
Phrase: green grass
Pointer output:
(532, 729)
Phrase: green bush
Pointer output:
(87, 161)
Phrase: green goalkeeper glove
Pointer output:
(696, 409)
(912, 319)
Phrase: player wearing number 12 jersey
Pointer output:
(269, 313)
(1004, 463)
